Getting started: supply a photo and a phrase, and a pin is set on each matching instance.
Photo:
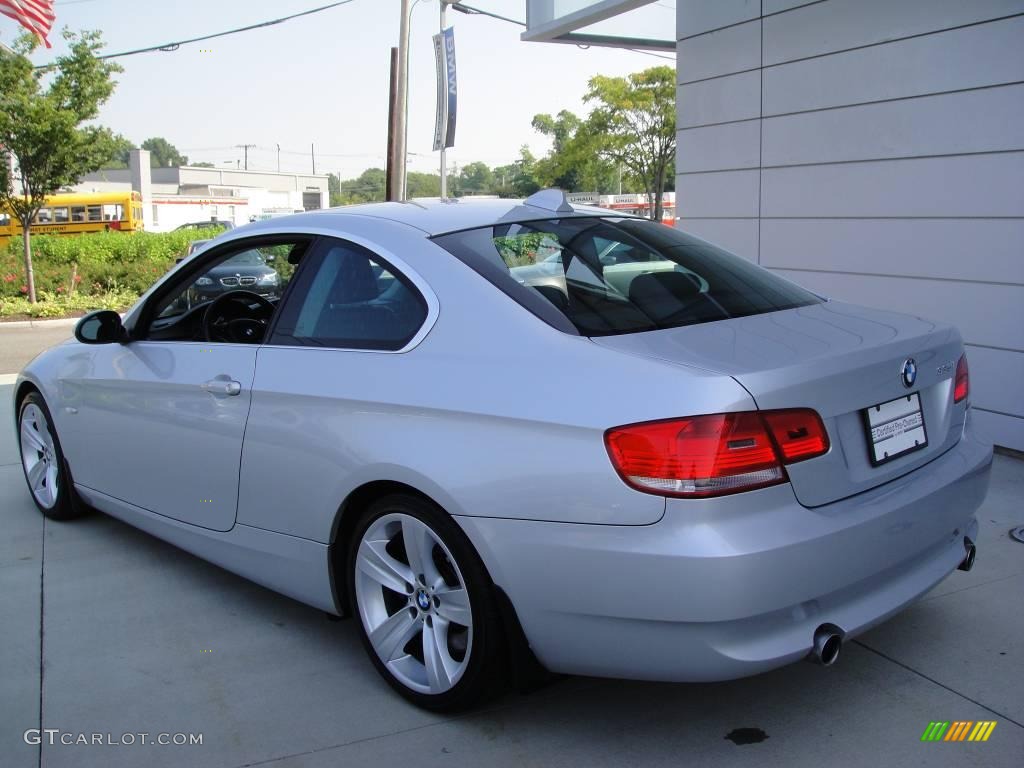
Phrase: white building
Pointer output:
(638, 204)
(871, 150)
(180, 195)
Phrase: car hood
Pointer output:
(242, 270)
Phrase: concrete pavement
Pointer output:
(20, 342)
(107, 630)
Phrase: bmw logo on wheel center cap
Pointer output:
(909, 372)
(423, 600)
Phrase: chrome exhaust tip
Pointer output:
(968, 562)
(828, 641)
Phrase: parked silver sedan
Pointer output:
(670, 465)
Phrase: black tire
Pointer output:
(483, 674)
(67, 505)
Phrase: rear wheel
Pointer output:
(427, 615)
(43, 461)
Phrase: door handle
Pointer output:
(222, 387)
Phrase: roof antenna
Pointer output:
(550, 200)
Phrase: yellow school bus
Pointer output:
(73, 214)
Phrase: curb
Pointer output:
(63, 322)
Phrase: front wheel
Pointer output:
(43, 460)
(427, 615)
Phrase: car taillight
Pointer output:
(714, 455)
(963, 380)
(799, 433)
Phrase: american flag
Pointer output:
(36, 16)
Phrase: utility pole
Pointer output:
(278, 158)
(398, 185)
(245, 148)
(389, 176)
(312, 155)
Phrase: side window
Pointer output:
(261, 269)
(351, 299)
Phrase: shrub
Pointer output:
(101, 263)
(54, 305)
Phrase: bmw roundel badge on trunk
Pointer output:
(909, 372)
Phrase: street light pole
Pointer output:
(403, 100)
(405, 111)
(444, 172)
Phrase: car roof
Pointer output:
(435, 216)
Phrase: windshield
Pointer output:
(612, 275)
(245, 258)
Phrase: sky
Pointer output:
(323, 79)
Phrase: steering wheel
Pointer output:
(232, 318)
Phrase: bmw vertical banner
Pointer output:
(453, 91)
(447, 89)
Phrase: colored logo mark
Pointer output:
(959, 730)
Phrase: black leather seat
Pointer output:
(555, 295)
(660, 295)
(355, 310)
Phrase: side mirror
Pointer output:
(100, 327)
(269, 257)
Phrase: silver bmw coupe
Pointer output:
(502, 434)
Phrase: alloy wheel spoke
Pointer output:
(453, 605)
(51, 482)
(391, 636)
(376, 563)
(30, 438)
(440, 666)
(419, 547)
(36, 476)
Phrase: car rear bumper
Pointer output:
(730, 587)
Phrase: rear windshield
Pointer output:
(609, 275)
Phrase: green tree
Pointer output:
(574, 163)
(368, 187)
(334, 189)
(635, 120)
(41, 126)
(504, 176)
(120, 152)
(476, 179)
(423, 184)
(162, 153)
(518, 179)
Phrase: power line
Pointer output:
(471, 11)
(170, 47)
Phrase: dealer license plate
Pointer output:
(895, 428)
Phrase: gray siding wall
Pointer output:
(873, 151)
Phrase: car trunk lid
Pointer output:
(838, 359)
